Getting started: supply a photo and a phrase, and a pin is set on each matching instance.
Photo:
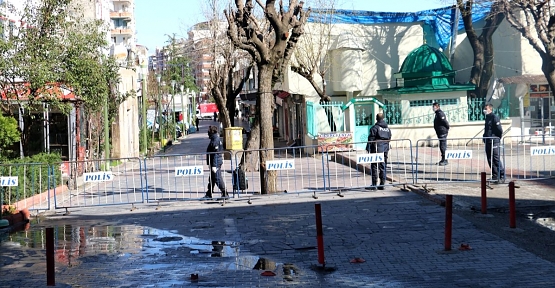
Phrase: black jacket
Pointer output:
(215, 145)
(378, 132)
(441, 125)
(493, 126)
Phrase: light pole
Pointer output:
(173, 111)
(143, 111)
(159, 118)
(183, 111)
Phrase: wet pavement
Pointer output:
(397, 238)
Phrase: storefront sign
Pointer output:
(335, 141)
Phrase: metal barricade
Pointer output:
(529, 157)
(352, 169)
(100, 182)
(183, 177)
(297, 169)
(25, 185)
(466, 160)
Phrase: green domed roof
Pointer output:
(425, 70)
(426, 59)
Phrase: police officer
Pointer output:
(214, 160)
(377, 144)
(492, 134)
(441, 125)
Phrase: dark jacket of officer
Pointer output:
(215, 145)
(441, 125)
(493, 126)
(379, 132)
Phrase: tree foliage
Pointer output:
(535, 20)
(55, 51)
(9, 133)
(482, 44)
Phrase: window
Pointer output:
(442, 102)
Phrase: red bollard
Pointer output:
(484, 197)
(319, 233)
(448, 221)
(512, 205)
(50, 268)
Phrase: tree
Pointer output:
(55, 50)
(270, 44)
(9, 133)
(535, 20)
(482, 45)
(311, 57)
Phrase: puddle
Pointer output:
(74, 242)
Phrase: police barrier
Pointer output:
(183, 177)
(103, 182)
(467, 158)
(25, 185)
(351, 169)
(529, 157)
(292, 169)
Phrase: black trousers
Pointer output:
(382, 166)
(493, 154)
(216, 179)
(442, 145)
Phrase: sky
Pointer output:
(155, 20)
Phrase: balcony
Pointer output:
(121, 15)
(122, 31)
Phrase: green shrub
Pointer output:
(33, 175)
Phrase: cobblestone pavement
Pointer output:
(400, 235)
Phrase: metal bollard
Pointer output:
(319, 233)
(50, 266)
(512, 205)
(484, 198)
(448, 221)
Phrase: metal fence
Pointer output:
(182, 177)
(26, 185)
(305, 169)
(297, 169)
(351, 169)
(105, 182)
(466, 156)
(529, 157)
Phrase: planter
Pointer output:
(18, 217)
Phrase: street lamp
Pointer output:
(173, 111)
(159, 118)
(142, 78)
(183, 111)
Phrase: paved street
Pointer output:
(399, 235)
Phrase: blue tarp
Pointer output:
(440, 20)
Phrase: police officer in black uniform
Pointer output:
(377, 144)
(492, 134)
(214, 160)
(441, 125)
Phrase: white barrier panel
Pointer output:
(8, 181)
(99, 183)
(280, 165)
(370, 158)
(458, 154)
(352, 169)
(529, 157)
(466, 159)
(189, 171)
(98, 177)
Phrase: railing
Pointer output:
(334, 118)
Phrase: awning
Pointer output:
(362, 100)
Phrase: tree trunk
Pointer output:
(264, 113)
(250, 155)
(548, 69)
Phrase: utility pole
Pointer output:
(143, 112)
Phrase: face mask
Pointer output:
(434, 109)
(486, 112)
